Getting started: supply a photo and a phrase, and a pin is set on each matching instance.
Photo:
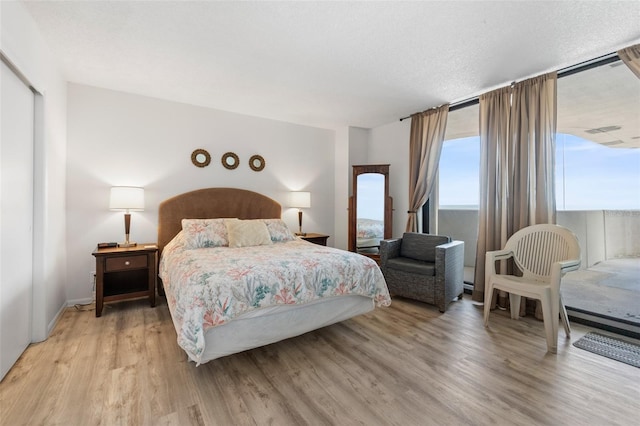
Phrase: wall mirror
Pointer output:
(370, 209)
(230, 160)
(200, 158)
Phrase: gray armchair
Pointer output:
(424, 267)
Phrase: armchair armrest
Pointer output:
(389, 249)
(490, 260)
(450, 254)
(558, 269)
(449, 272)
(569, 265)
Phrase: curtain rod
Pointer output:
(454, 106)
(573, 69)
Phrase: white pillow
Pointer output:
(247, 233)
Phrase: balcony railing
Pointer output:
(603, 234)
(606, 291)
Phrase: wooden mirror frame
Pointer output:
(194, 158)
(260, 161)
(382, 169)
(234, 157)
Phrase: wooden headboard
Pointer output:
(212, 203)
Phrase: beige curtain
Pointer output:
(631, 57)
(533, 127)
(495, 113)
(425, 146)
(517, 184)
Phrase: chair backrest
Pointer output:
(421, 246)
(535, 248)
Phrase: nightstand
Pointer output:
(125, 273)
(320, 239)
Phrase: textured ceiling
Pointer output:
(325, 64)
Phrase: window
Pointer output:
(598, 140)
(459, 173)
(459, 169)
(591, 176)
(597, 145)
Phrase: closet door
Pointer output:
(16, 217)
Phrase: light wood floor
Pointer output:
(403, 365)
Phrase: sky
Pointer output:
(589, 176)
(370, 196)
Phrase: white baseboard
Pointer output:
(84, 301)
(52, 324)
(56, 318)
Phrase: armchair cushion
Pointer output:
(421, 246)
(412, 266)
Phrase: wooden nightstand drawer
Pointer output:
(124, 263)
(124, 273)
(320, 239)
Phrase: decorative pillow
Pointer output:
(202, 233)
(279, 230)
(247, 233)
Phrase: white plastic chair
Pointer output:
(543, 253)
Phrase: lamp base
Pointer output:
(300, 234)
(126, 243)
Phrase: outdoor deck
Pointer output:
(609, 290)
(608, 293)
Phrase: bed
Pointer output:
(369, 233)
(227, 294)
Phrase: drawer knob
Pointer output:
(127, 263)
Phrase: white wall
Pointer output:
(352, 148)
(22, 44)
(358, 148)
(389, 144)
(117, 138)
(342, 188)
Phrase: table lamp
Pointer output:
(127, 198)
(300, 200)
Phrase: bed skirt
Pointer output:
(276, 323)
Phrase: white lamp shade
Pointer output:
(301, 200)
(128, 198)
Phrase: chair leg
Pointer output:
(555, 315)
(514, 302)
(488, 295)
(565, 318)
(547, 316)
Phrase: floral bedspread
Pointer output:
(207, 287)
(370, 228)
